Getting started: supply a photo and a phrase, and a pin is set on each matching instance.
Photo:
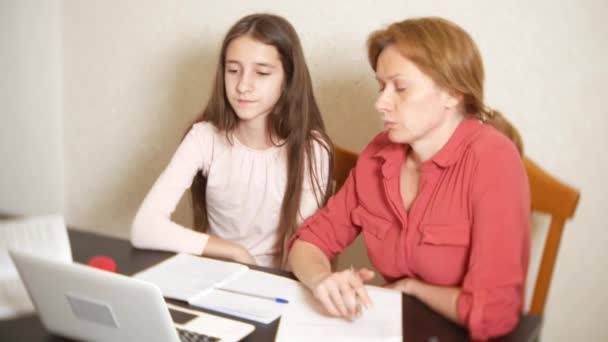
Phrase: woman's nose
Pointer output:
(383, 103)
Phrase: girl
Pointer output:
(258, 160)
(441, 196)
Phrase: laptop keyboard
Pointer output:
(189, 336)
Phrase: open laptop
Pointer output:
(85, 303)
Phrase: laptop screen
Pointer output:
(181, 317)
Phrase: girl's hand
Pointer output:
(225, 249)
(242, 255)
(341, 293)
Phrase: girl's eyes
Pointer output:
(260, 73)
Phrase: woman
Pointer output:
(441, 196)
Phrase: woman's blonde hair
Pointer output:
(446, 53)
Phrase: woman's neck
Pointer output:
(424, 149)
(253, 134)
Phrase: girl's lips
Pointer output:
(388, 124)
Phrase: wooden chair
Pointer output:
(559, 201)
(344, 161)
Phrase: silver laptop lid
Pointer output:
(80, 302)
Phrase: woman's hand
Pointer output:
(342, 293)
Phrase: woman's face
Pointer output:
(253, 77)
(413, 106)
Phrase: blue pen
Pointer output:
(274, 299)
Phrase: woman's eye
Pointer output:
(263, 73)
(231, 71)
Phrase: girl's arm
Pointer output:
(225, 249)
(153, 228)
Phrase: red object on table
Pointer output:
(102, 262)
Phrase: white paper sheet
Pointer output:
(248, 306)
(306, 321)
(186, 276)
(45, 236)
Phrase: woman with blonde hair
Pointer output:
(441, 195)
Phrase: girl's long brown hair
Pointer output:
(295, 120)
(447, 54)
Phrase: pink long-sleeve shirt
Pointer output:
(469, 225)
(244, 194)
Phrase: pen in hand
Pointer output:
(255, 295)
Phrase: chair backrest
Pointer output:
(344, 161)
(559, 201)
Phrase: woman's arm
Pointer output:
(338, 292)
(442, 299)
(492, 295)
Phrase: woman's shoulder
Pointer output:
(490, 142)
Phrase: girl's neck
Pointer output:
(253, 134)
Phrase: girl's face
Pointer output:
(413, 106)
(254, 78)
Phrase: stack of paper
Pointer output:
(44, 236)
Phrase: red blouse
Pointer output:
(469, 225)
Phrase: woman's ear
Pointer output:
(451, 99)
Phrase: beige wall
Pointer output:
(136, 72)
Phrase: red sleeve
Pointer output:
(492, 294)
(331, 228)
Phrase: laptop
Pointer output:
(84, 303)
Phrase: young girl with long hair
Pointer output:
(257, 161)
